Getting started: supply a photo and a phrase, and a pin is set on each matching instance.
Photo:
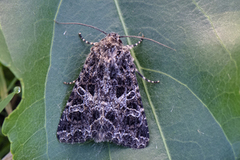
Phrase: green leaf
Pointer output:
(5, 101)
(193, 113)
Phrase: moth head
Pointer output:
(114, 37)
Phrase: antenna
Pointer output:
(119, 36)
(82, 25)
(149, 40)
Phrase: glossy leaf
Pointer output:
(193, 113)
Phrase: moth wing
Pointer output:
(74, 124)
(105, 103)
(129, 118)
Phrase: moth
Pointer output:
(105, 103)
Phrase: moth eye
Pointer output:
(120, 40)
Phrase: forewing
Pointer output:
(130, 122)
(74, 124)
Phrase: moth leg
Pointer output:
(70, 82)
(84, 40)
(145, 77)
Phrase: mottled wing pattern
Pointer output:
(105, 103)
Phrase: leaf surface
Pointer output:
(193, 113)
